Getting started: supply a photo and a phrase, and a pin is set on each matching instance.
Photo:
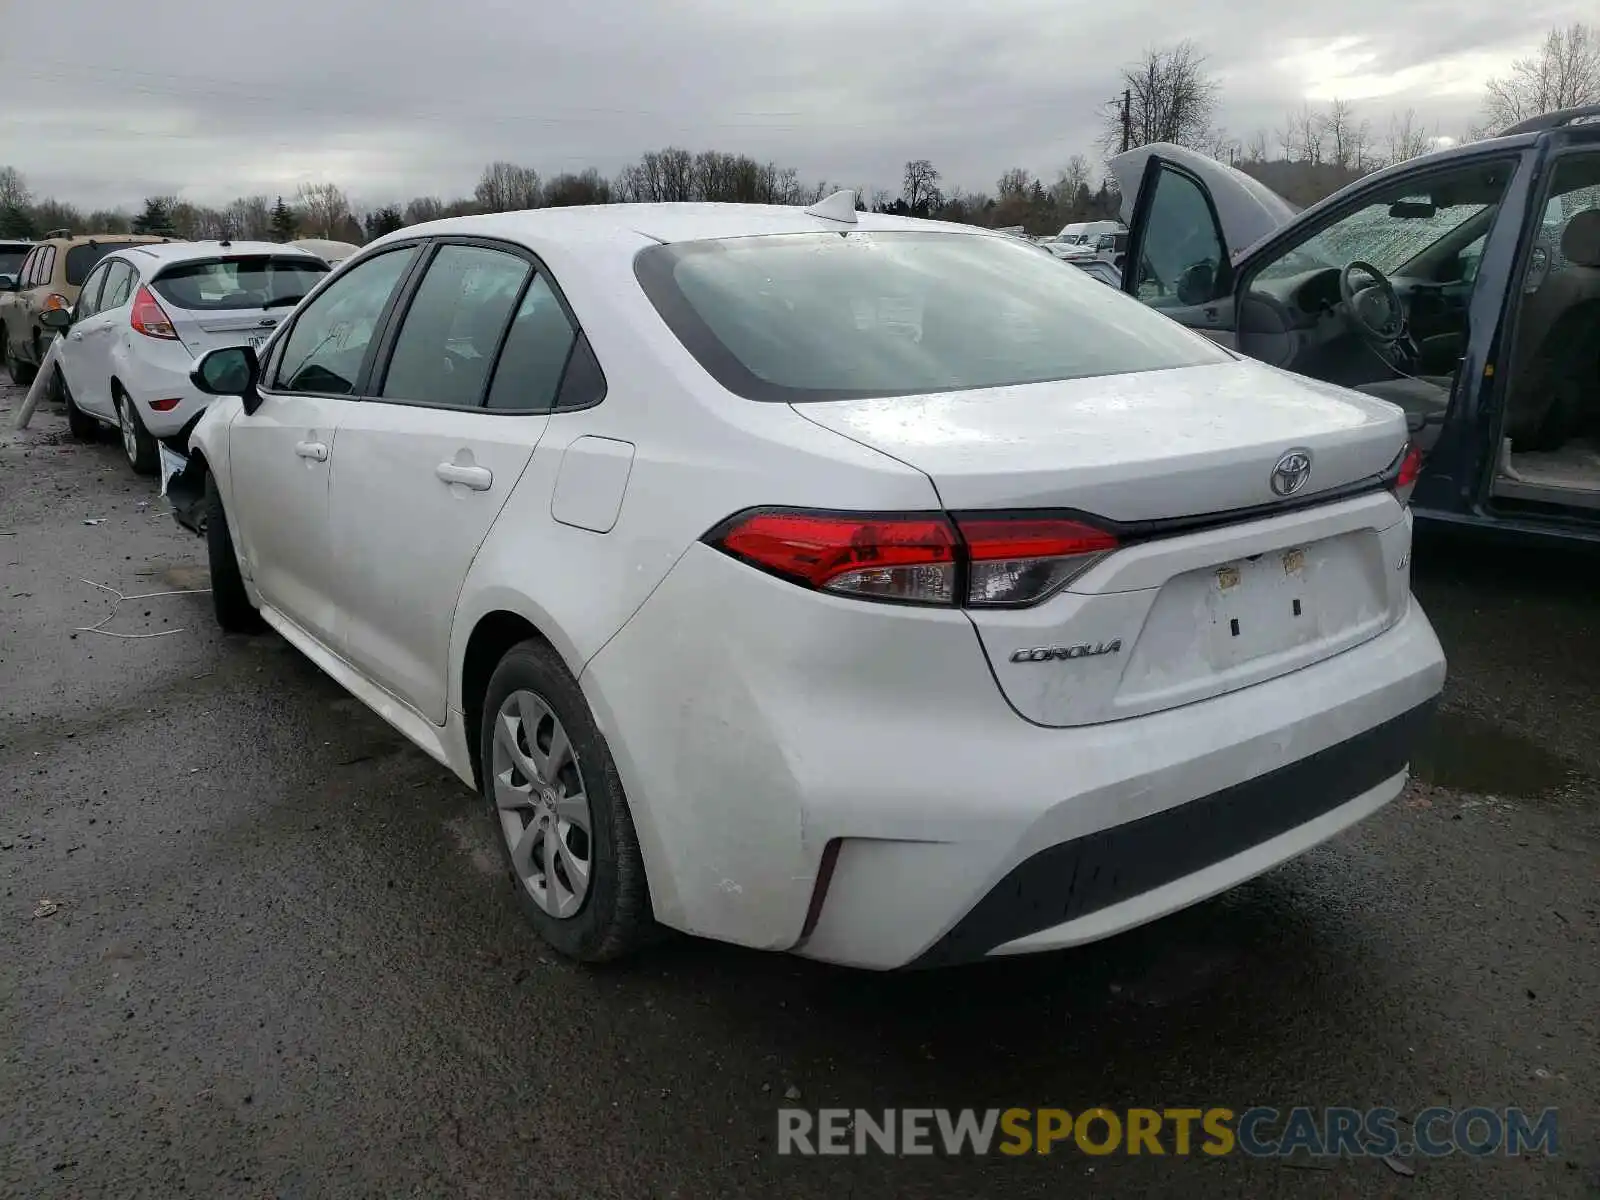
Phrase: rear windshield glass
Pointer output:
(11, 259)
(830, 316)
(82, 259)
(254, 281)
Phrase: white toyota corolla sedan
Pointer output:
(873, 589)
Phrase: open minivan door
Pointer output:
(1190, 218)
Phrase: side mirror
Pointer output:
(56, 318)
(229, 371)
(1196, 283)
(8, 283)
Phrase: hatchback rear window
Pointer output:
(11, 259)
(245, 281)
(830, 316)
(83, 258)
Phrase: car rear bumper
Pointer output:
(844, 780)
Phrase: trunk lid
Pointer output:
(1150, 446)
(1201, 598)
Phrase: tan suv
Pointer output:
(49, 278)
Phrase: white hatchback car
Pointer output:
(147, 313)
(868, 588)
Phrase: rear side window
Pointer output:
(535, 355)
(83, 259)
(248, 281)
(795, 317)
(45, 269)
(28, 265)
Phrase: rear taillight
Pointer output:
(1023, 559)
(907, 558)
(1405, 478)
(149, 318)
(988, 560)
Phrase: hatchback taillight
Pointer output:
(982, 560)
(149, 318)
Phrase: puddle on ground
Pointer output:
(1471, 754)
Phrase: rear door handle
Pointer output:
(479, 479)
(312, 450)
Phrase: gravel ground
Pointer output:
(253, 944)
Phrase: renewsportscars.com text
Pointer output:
(1258, 1132)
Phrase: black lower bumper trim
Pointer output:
(1076, 878)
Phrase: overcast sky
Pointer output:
(210, 99)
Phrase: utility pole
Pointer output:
(1127, 120)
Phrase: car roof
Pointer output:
(168, 253)
(639, 224)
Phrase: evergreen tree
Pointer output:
(384, 220)
(282, 222)
(156, 219)
(16, 221)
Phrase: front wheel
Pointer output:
(137, 443)
(554, 793)
(229, 600)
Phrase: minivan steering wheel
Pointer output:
(1374, 308)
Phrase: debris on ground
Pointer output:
(46, 908)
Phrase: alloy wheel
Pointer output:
(130, 434)
(544, 810)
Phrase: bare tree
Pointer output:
(1302, 135)
(1339, 131)
(1219, 144)
(13, 188)
(423, 208)
(506, 187)
(51, 213)
(1564, 74)
(920, 188)
(322, 210)
(107, 220)
(1171, 98)
(1255, 150)
(250, 217)
(1407, 138)
(1014, 182)
(586, 187)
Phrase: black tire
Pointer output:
(229, 600)
(614, 918)
(82, 426)
(138, 446)
(21, 373)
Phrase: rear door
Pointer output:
(233, 300)
(427, 461)
(1190, 218)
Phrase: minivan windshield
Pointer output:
(820, 316)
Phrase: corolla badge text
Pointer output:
(1059, 653)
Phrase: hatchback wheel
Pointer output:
(82, 426)
(137, 443)
(556, 798)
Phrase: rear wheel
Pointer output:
(229, 600)
(84, 427)
(556, 798)
(137, 443)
